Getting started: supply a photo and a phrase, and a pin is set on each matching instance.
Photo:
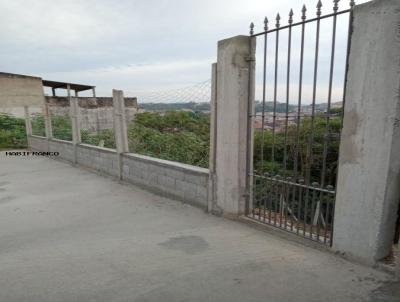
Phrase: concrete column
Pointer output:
(368, 188)
(28, 124)
(47, 120)
(74, 115)
(234, 98)
(211, 205)
(97, 111)
(120, 130)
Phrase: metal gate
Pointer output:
(292, 176)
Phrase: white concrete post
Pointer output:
(28, 124)
(368, 188)
(120, 130)
(74, 112)
(97, 111)
(234, 98)
(74, 115)
(47, 121)
(211, 205)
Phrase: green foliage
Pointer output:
(12, 132)
(183, 136)
(62, 127)
(38, 125)
(103, 137)
(308, 132)
(180, 136)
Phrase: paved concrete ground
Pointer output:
(69, 235)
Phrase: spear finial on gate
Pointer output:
(291, 16)
(319, 5)
(265, 23)
(336, 5)
(303, 11)
(251, 28)
(352, 4)
(278, 18)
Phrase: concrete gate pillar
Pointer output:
(233, 103)
(368, 188)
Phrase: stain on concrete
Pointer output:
(6, 199)
(350, 149)
(188, 244)
(388, 292)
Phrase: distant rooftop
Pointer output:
(51, 84)
(64, 85)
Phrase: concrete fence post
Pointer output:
(368, 188)
(211, 205)
(120, 129)
(28, 124)
(233, 105)
(47, 121)
(74, 115)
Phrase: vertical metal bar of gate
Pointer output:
(249, 147)
(286, 191)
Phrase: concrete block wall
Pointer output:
(37, 143)
(103, 160)
(62, 147)
(175, 180)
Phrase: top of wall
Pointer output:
(20, 90)
(89, 102)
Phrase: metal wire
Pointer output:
(197, 93)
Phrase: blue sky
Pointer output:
(130, 45)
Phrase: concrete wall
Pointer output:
(103, 160)
(19, 90)
(231, 136)
(63, 147)
(183, 182)
(94, 113)
(179, 181)
(37, 143)
(368, 188)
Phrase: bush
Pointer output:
(38, 125)
(180, 136)
(106, 136)
(12, 132)
(62, 127)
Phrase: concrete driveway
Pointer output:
(67, 234)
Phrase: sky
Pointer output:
(136, 45)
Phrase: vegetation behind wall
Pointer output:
(12, 132)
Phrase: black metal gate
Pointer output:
(296, 139)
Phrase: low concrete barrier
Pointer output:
(179, 181)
